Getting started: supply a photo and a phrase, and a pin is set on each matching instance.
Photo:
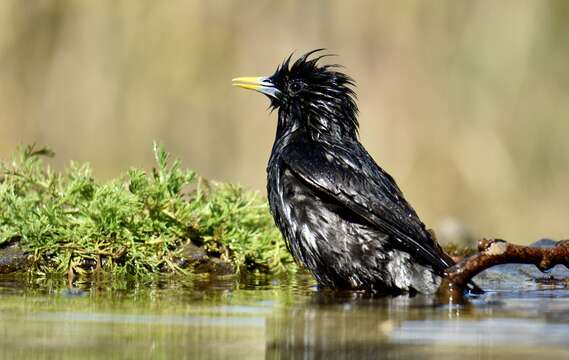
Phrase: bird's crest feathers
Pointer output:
(327, 103)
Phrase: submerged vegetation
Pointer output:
(139, 224)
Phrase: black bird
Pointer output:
(343, 217)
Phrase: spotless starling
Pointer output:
(343, 217)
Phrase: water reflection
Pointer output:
(271, 317)
(410, 328)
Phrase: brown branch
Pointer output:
(495, 252)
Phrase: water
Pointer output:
(275, 317)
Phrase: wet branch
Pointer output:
(495, 252)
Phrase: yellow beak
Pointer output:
(261, 84)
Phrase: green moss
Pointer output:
(135, 224)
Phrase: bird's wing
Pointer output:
(354, 180)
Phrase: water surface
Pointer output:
(260, 317)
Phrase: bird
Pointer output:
(342, 216)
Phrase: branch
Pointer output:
(495, 252)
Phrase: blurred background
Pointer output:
(465, 103)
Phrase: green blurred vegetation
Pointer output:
(464, 102)
(138, 224)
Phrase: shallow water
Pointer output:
(275, 317)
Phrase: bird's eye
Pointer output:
(295, 87)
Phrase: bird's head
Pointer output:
(307, 94)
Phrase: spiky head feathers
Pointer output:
(320, 96)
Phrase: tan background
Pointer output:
(465, 103)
